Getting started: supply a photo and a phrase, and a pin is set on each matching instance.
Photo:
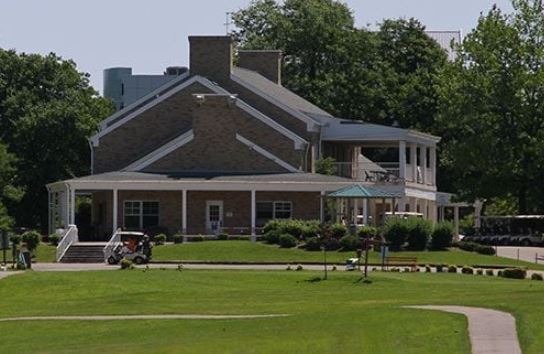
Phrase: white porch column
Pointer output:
(365, 211)
(114, 211)
(66, 209)
(355, 210)
(253, 214)
(432, 157)
(402, 159)
(184, 212)
(413, 204)
(423, 161)
(456, 220)
(72, 206)
(413, 161)
(49, 213)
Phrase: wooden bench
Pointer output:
(401, 261)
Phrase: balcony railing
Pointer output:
(378, 172)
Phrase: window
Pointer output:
(273, 210)
(282, 210)
(140, 215)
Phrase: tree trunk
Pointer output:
(522, 199)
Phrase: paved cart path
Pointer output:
(490, 331)
(7, 274)
(139, 317)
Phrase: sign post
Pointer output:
(384, 252)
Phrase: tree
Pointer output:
(8, 192)
(47, 111)
(382, 77)
(492, 111)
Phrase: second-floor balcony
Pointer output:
(377, 172)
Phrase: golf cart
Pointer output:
(134, 246)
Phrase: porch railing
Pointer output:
(112, 243)
(69, 238)
(378, 172)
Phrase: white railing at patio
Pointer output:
(112, 243)
(69, 237)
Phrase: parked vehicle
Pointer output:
(516, 230)
(134, 246)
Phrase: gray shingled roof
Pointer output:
(278, 92)
(187, 177)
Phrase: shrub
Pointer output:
(467, 270)
(271, 225)
(452, 269)
(223, 236)
(54, 239)
(198, 238)
(287, 241)
(537, 276)
(442, 236)
(299, 267)
(288, 267)
(334, 269)
(499, 273)
(514, 273)
(487, 250)
(32, 239)
(440, 268)
(367, 232)
(427, 269)
(338, 230)
(395, 270)
(419, 232)
(15, 239)
(126, 264)
(313, 244)
(177, 238)
(311, 229)
(272, 237)
(466, 246)
(350, 243)
(332, 244)
(480, 271)
(294, 228)
(407, 270)
(159, 239)
(395, 231)
(489, 272)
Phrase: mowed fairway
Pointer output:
(340, 315)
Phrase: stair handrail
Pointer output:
(69, 237)
(112, 243)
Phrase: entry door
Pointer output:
(214, 216)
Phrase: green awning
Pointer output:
(358, 191)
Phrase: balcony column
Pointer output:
(413, 161)
(365, 211)
(432, 162)
(72, 206)
(423, 161)
(402, 160)
(355, 168)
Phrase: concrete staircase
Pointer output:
(84, 252)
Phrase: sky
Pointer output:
(151, 35)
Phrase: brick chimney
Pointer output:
(211, 57)
(265, 62)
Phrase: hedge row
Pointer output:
(475, 247)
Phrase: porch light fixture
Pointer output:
(200, 99)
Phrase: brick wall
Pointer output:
(147, 132)
(265, 62)
(216, 121)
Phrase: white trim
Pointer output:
(207, 83)
(299, 142)
(311, 124)
(160, 152)
(266, 154)
(153, 94)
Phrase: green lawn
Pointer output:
(340, 315)
(44, 253)
(245, 251)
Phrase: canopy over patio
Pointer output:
(350, 195)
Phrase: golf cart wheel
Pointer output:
(138, 260)
(112, 260)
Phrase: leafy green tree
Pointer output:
(383, 77)
(47, 111)
(8, 192)
(492, 111)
